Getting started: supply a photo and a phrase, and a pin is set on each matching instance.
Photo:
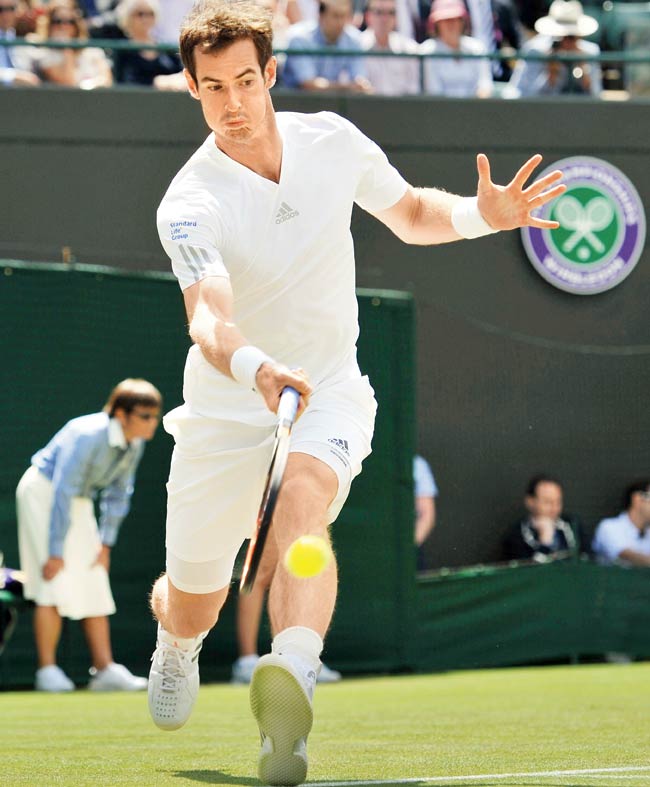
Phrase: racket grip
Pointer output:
(288, 407)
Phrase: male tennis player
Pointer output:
(257, 225)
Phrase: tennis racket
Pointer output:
(287, 410)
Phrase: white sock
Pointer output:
(184, 643)
(299, 641)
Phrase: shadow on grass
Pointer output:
(216, 777)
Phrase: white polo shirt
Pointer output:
(286, 248)
(616, 534)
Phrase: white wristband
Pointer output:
(244, 364)
(467, 220)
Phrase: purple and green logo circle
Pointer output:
(601, 232)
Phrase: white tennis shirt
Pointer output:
(286, 248)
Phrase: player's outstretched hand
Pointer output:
(509, 207)
(273, 378)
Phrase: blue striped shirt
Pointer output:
(89, 455)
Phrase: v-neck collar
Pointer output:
(242, 169)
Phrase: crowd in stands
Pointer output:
(404, 27)
(546, 532)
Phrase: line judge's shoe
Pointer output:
(281, 696)
(115, 677)
(173, 683)
(52, 678)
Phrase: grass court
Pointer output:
(563, 726)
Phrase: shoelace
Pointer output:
(173, 664)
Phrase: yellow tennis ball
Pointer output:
(307, 556)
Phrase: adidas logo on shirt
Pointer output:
(285, 213)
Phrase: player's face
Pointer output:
(547, 501)
(233, 91)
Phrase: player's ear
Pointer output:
(191, 84)
(270, 72)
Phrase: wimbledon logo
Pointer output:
(601, 232)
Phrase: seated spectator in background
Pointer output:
(13, 68)
(170, 16)
(562, 31)
(86, 68)
(326, 72)
(454, 76)
(625, 539)
(543, 534)
(137, 19)
(496, 25)
(389, 76)
(426, 491)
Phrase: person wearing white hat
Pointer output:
(562, 31)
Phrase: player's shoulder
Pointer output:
(314, 123)
(193, 182)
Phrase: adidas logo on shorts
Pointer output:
(285, 213)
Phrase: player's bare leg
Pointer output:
(184, 619)
(300, 611)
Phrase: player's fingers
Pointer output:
(543, 183)
(526, 170)
(543, 224)
(484, 173)
(547, 196)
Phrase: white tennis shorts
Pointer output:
(219, 468)
(81, 589)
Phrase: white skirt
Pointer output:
(81, 589)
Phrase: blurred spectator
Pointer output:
(529, 11)
(389, 76)
(562, 31)
(13, 68)
(170, 17)
(454, 76)
(426, 492)
(86, 68)
(496, 25)
(326, 72)
(625, 539)
(137, 19)
(543, 534)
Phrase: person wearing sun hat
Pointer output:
(562, 31)
(454, 76)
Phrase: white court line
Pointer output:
(484, 776)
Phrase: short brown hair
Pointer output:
(130, 393)
(216, 24)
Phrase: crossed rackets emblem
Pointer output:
(584, 221)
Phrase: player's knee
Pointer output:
(188, 614)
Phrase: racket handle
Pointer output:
(288, 407)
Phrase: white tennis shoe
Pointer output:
(281, 700)
(115, 677)
(173, 683)
(52, 678)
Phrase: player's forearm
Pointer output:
(429, 218)
(217, 337)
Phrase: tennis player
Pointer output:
(257, 225)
